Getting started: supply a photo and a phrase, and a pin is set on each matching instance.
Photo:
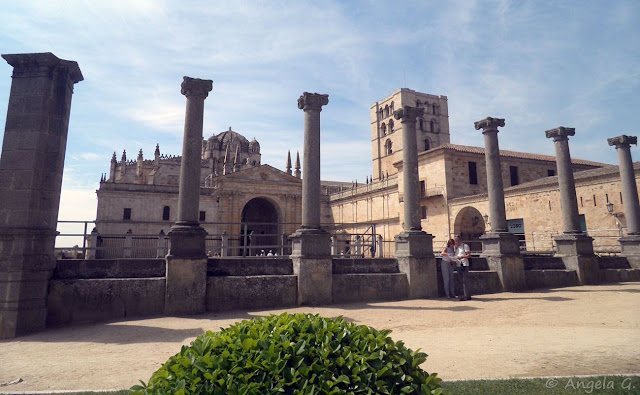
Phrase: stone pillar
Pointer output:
(31, 166)
(575, 248)
(630, 244)
(186, 273)
(414, 248)
(311, 245)
(499, 247)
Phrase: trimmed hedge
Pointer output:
(293, 354)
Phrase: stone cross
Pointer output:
(495, 188)
(628, 179)
(411, 183)
(311, 104)
(566, 183)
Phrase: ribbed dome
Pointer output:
(232, 138)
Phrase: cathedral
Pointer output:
(255, 206)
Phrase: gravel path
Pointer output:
(565, 331)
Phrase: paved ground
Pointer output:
(565, 331)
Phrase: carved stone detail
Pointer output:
(408, 114)
(489, 124)
(560, 133)
(623, 141)
(196, 87)
(312, 101)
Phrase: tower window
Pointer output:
(388, 147)
(126, 214)
(427, 145)
(423, 212)
(391, 126)
(513, 172)
(421, 125)
(433, 126)
(551, 173)
(203, 216)
(165, 213)
(386, 110)
(434, 109)
(423, 188)
(383, 129)
(473, 174)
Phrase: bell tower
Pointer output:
(432, 128)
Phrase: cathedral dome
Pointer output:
(233, 139)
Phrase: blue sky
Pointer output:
(538, 64)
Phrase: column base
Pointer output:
(414, 252)
(186, 286)
(502, 251)
(577, 254)
(630, 248)
(315, 280)
(311, 243)
(187, 240)
(414, 243)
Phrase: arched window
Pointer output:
(421, 125)
(427, 145)
(391, 108)
(386, 110)
(433, 126)
(165, 213)
(434, 109)
(418, 103)
(388, 147)
(391, 126)
(381, 114)
(383, 129)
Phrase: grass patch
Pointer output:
(610, 385)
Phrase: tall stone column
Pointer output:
(186, 272)
(630, 244)
(311, 245)
(31, 166)
(575, 248)
(499, 247)
(414, 248)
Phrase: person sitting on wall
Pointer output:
(463, 253)
(447, 267)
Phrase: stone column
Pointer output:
(31, 166)
(414, 248)
(499, 247)
(186, 273)
(575, 248)
(311, 245)
(630, 244)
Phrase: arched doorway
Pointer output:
(470, 225)
(260, 222)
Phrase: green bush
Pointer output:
(293, 354)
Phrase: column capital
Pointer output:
(623, 141)
(489, 124)
(408, 114)
(196, 87)
(560, 133)
(312, 101)
(38, 64)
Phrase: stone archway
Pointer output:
(470, 225)
(260, 219)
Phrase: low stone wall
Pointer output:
(542, 263)
(109, 268)
(249, 266)
(613, 262)
(551, 278)
(90, 300)
(226, 293)
(365, 265)
(369, 287)
(620, 275)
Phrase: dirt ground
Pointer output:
(565, 331)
